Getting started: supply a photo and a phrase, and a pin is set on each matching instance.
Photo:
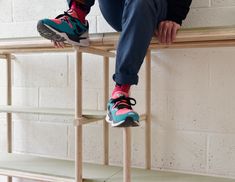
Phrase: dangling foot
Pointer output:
(65, 28)
(120, 112)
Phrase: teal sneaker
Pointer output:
(65, 28)
(120, 112)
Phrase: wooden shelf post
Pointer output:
(106, 98)
(9, 103)
(127, 154)
(78, 117)
(148, 110)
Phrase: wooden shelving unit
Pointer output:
(45, 169)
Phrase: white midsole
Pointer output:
(113, 124)
(116, 124)
(83, 42)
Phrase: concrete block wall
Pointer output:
(192, 105)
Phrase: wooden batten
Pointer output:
(100, 43)
(78, 115)
(3, 57)
(9, 103)
(143, 117)
(127, 154)
(148, 130)
(96, 51)
(105, 101)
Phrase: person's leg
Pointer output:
(136, 20)
(120, 113)
(139, 21)
(70, 27)
(112, 11)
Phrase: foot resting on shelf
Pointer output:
(70, 27)
(120, 112)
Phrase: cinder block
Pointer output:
(222, 3)
(209, 17)
(189, 110)
(90, 99)
(24, 11)
(2, 73)
(93, 142)
(200, 3)
(6, 11)
(139, 96)
(64, 98)
(3, 136)
(3, 179)
(221, 154)
(40, 138)
(92, 71)
(159, 110)
(56, 119)
(221, 68)
(41, 70)
(101, 97)
(56, 97)
(19, 29)
(180, 69)
(183, 151)
(221, 111)
(27, 97)
(101, 103)
(103, 26)
(137, 147)
(3, 99)
(92, 24)
(142, 79)
(2, 116)
(222, 90)
(95, 10)
(112, 63)
(116, 146)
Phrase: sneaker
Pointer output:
(120, 113)
(65, 28)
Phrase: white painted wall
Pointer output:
(192, 105)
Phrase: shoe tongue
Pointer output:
(73, 13)
(118, 94)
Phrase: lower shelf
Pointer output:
(54, 170)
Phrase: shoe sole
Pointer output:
(52, 34)
(128, 122)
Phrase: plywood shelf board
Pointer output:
(55, 168)
(90, 114)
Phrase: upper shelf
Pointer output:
(102, 42)
(89, 114)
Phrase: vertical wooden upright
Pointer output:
(106, 98)
(127, 154)
(148, 110)
(78, 117)
(9, 102)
